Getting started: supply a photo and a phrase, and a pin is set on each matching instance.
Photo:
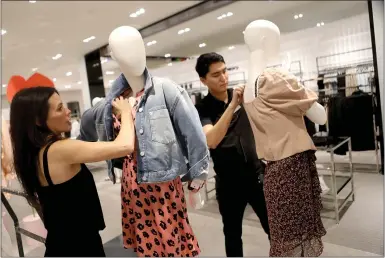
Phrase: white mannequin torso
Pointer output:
(262, 38)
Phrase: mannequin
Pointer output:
(162, 113)
(127, 49)
(276, 103)
(262, 38)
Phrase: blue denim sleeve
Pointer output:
(188, 130)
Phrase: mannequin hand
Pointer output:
(122, 105)
(237, 96)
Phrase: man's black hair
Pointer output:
(205, 60)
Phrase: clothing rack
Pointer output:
(338, 72)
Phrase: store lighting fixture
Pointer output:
(4, 85)
(167, 55)
(169, 64)
(89, 39)
(243, 32)
(231, 47)
(151, 43)
(110, 72)
(67, 86)
(183, 31)
(79, 82)
(54, 79)
(137, 13)
(34, 69)
(58, 56)
(32, 2)
(320, 24)
(202, 45)
(298, 16)
(68, 73)
(225, 15)
(3, 32)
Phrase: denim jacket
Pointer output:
(170, 138)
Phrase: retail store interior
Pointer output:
(332, 47)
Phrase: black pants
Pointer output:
(233, 198)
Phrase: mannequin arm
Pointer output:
(317, 114)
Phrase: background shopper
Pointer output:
(232, 147)
(52, 172)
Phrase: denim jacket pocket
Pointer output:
(162, 130)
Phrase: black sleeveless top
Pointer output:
(72, 206)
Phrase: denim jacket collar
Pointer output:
(119, 85)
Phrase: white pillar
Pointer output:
(85, 86)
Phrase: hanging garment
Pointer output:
(358, 110)
(341, 84)
(310, 126)
(352, 117)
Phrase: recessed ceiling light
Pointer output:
(32, 2)
(54, 79)
(295, 16)
(79, 82)
(225, 15)
(67, 86)
(4, 85)
(110, 72)
(322, 24)
(3, 32)
(58, 56)
(34, 69)
(243, 32)
(231, 47)
(300, 15)
(169, 64)
(202, 45)
(89, 39)
(151, 43)
(137, 13)
(167, 55)
(183, 31)
(68, 73)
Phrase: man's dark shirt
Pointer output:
(235, 156)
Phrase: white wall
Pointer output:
(340, 36)
(71, 96)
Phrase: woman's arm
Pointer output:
(75, 151)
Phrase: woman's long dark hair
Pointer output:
(29, 133)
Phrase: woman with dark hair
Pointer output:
(52, 172)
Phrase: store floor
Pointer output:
(360, 232)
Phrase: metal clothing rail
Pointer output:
(372, 92)
(333, 172)
(18, 230)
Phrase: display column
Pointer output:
(376, 21)
(94, 74)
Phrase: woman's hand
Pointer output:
(122, 105)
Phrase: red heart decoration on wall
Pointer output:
(17, 83)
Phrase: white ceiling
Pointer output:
(38, 31)
(223, 33)
(60, 27)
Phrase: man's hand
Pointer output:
(237, 96)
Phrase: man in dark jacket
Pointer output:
(239, 172)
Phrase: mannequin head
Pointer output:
(127, 49)
(262, 35)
